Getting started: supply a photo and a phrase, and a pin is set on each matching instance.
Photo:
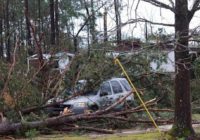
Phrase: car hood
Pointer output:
(85, 99)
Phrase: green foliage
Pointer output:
(22, 92)
(95, 68)
(31, 133)
(99, 66)
(153, 83)
(195, 89)
(195, 85)
(196, 68)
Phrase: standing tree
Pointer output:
(118, 20)
(8, 49)
(92, 23)
(1, 29)
(88, 25)
(52, 16)
(28, 35)
(182, 120)
(39, 16)
(56, 22)
(105, 25)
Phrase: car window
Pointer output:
(106, 88)
(126, 85)
(116, 87)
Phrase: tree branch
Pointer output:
(87, 20)
(160, 4)
(104, 131)
(172, 3)
(195, 7)
(145, 20)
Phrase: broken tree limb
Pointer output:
(140, 110)
(121, 100)
(105, 131)
(154, 110)
(149, 103)
(9, 128)
(36, 108)
(135, 121)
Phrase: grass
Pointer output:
(142, 136)
(145, 136)
(196, 117)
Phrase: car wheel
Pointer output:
(94, 108)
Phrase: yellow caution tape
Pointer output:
(138, 95)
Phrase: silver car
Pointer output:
(108, 93)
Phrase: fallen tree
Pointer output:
(9, 128)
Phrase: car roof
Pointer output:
(116, 79)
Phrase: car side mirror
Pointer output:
(103, 94)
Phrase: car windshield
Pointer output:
(90, 93)
(126, 85)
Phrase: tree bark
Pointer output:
(182, 120)
(52, 16)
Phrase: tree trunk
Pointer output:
(56, 22)
(28, 35)
(52, 22)
(1, 28)
(105, 26)
(92, 24)
(146, 32)
(1, 38)
(75, 44)
(118, 21)
(88, 39)
(8, 49)
(182, 120)
(88, 27)
(10, 128)
(39, 16)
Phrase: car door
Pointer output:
(117, 90)
(105, 95)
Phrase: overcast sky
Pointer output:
(146, 11)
